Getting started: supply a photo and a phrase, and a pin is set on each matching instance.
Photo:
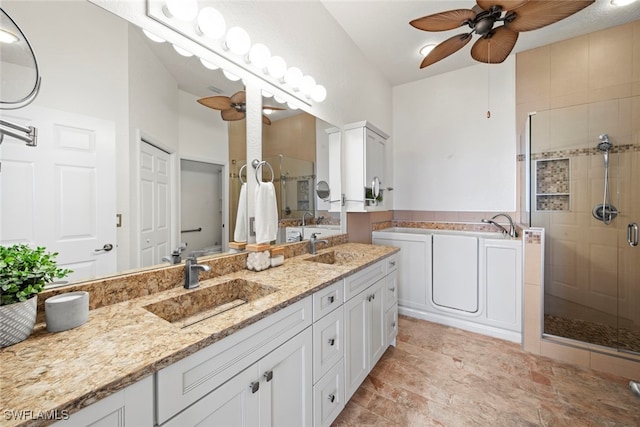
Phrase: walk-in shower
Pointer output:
(584, 190)
(605, 211)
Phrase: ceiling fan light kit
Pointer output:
(496, 41)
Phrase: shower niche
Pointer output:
(552, 184)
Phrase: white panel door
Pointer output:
(61, 194)
(455, 272)
(155, 209)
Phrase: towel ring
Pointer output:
(262, 163)
(240, 173)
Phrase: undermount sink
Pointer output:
(200, 304)
(334, 257)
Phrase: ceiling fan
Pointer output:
(496, 42)
(234, 107)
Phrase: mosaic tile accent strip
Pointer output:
(590, 151)
(532, 237)
(376, 226)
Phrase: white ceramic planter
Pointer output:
(17, 321)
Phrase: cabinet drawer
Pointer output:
(328, 396)
(364, 278)
(328, 342)
(391, 324)
(391, 263)
(187, 380)
(327, 300)
(390, 289)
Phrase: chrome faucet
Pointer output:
(191, 270)
(303, 216)
(313, 241)
(175, 257)
(512, 228)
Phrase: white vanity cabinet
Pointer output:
(129, 407)
(365, 157)
(279, 344)
(366, 332)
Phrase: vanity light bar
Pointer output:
(181, 15)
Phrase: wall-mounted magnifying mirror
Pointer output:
(20, 76)
(375, 186)
(322, 190)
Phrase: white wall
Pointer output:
(447, 155)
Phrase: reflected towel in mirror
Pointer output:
(240, 233)
(266, 213)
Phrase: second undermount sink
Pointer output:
(194, 306)
(334, 257)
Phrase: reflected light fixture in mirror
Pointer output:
(209, 65)
(184, 10)
(211, 23)
(182, 51)
(229, 75)
(152, 36)
(306, 85)
(319, 93)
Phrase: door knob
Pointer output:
(106, 248)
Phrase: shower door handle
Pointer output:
(632, 234)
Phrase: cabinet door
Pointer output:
(374, 158)
(503, 283)
(455, 272)
(375, 320)
(233, 404)
(286, 383)
(356, 342)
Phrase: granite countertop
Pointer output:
(124, 342)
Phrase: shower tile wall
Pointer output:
(581, 88)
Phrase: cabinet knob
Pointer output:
(332, 398)
(254, 386)
(268, 375)
(392, 263)
(331, 299)
(332, 341)
(392, 289)
(393, 325)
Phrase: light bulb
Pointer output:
(259, 55)
(424, 50)
(208, 64)
(307, 84)
(152, 36)
(277, 67)
(211, 23)
(292, 106)
(266, 94)
(230, 76)
(319, 93)
(293, 76)
(184, 10)
(181, 51)
(267, 111)
(238, 41)
(278, 99)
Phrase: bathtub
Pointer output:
(466, 279)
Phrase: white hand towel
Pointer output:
(240, 233)
(266, 213)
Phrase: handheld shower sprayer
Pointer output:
(605, 212)
(604, 145)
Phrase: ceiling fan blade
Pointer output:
(443, 21)
(266, 120)
(504, 4)
(445, 49)
(239, 97)
(231, 115)
(267, 107)
(537, 14)
(216, 102)
(495, 49)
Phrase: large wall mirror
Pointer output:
(128, 155)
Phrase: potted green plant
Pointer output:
(24, 272)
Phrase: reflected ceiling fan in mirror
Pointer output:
(234, 107)
(496, 41)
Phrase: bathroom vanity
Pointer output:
(280, 358)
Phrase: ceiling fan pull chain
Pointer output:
(489, 80)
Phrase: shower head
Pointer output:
(604, 144)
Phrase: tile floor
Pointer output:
(441, 376)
